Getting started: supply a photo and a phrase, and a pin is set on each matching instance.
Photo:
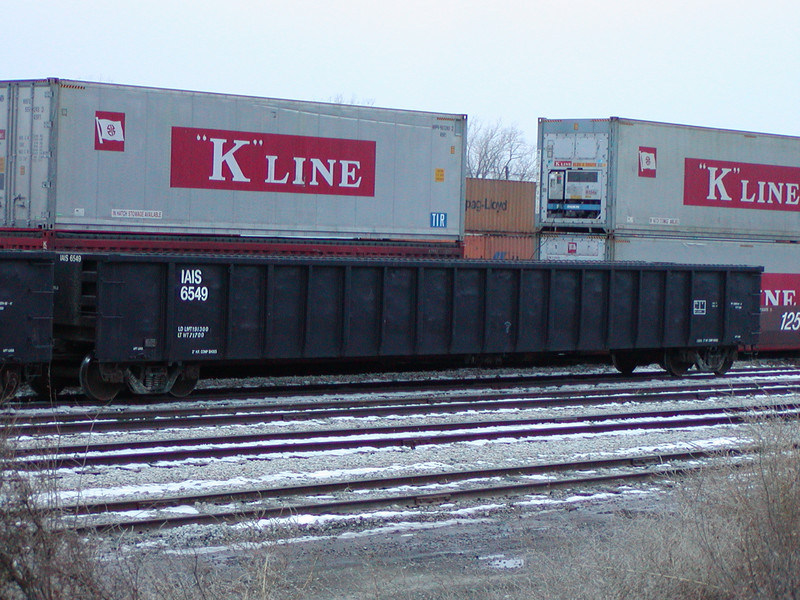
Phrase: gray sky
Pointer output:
(733, 64)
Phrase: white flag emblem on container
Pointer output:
(647, 160)
(109, 130)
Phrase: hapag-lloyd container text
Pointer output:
(741, 185)
(236, 160)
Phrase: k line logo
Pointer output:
(741, 185)
(259, 162)
(109, 131)
(647, 162)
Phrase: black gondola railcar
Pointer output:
(26, 316)
(152, 322)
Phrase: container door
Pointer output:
(25, 154)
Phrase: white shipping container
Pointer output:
(627, 176)
(111, 158)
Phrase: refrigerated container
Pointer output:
(93, 157)
(630, 176)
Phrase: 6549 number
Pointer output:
(194, 293)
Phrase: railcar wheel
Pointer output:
(716, 360)
(94, 386)
(183, 386)
(675, 364)
(624, 362)
(726, 365)
(10, 376)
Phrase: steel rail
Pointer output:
(183, 417)
(159, 451)
(658, 463)
(391, 386)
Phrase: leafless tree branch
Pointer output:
(497, 151)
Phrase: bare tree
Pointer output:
(353, 100)
(497, 151)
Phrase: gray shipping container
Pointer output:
(100, 157)
(632, 176)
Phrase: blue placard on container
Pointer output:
(439, 220)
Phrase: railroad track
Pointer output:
(392, 436)
(38, 451)
(179, 415)
(431, 383)
(283, 502)
(322, 385)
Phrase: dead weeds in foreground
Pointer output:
(733, 533)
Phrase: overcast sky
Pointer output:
(731, 64)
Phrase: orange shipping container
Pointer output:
(499, 247)
(497, 205)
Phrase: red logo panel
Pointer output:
(109, 131)
(268, 162)
(740, 185)
(647, 162)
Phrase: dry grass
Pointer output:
(732, 534)
(39, 561)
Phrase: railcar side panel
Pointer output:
(26, 307)
(780, 287)
(177, 310)
(131, 307)
(246, 311)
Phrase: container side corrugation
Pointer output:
(497, 246)
(495, 206)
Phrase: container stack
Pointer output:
(627, 190)
(499, 219)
